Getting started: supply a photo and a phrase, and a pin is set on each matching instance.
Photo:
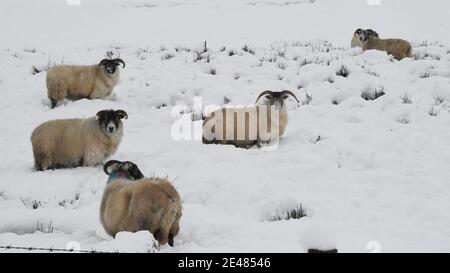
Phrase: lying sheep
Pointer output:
(78, 81)
(356, 41)
(247, 126)
(66, 143)
(397, 47)
(150, 204)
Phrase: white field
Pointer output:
(375, 170)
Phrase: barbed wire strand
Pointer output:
(51, 249)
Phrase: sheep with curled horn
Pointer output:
(69, 143)
(83, 81)
(244, 127)
(399, 48)
(132, 202)
(356, 41)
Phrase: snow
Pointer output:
(365, 171)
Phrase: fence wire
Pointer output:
(51, 249)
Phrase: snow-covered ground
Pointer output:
(365, 170)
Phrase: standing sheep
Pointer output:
(66, 143)
(244, 127)
(82, 81)
(397, 47)
(150, 204)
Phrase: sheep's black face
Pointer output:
(275, 98)
(110, 66)
(110, 121)
(358, 31)
(363, 36)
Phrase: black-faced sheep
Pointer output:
(248, 126)
(82, 81)
(397, 47)
(66, 143)
(132, 203)
(356, 41)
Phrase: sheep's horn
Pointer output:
(134, 171)
(372, 32)
(118, 60)
(103, 62)
(137, 174)
(264, 93)
(108, 164)
(290, 93)
(122, 114)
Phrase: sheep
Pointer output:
(356, 36)
(247, 126)
(397, 47)
(82, 81)
(355, 40)
(132, 202)
(69, 143)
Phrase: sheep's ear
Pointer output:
(99, 115)
(122, 114)
(111, 166)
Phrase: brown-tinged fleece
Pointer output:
(82, 81)
(150, 203)
(248, 126)
(397, 47)
(67, 143)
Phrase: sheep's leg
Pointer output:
(44, 166)
(173, 232)
(162, 235)
(170, 239)
(38, 167)
(37, 164)
(41, 161)
(53, 103)
(248, 146)
(265, 143)
(259, 142)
